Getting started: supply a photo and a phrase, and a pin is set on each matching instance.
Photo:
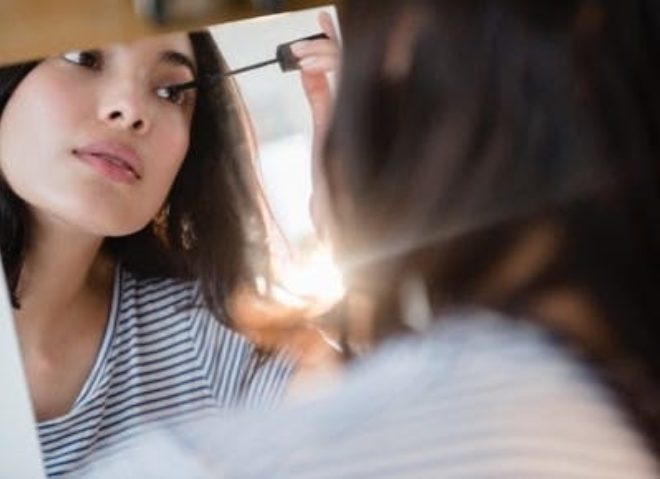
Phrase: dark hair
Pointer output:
(464, 125)
(212, 218)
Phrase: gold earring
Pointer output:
(187, 234)
(159, 223)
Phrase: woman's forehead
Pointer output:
(173, 48)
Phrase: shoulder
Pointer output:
(479, 396)
(153, 303)
(154, 296)
(155, 322)
(236, 372)
(167, 309)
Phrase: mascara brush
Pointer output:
(284, 57)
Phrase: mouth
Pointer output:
(113, 160)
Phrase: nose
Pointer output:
(124, 108)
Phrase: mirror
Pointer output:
(279, 116)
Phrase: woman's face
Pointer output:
(92, 139)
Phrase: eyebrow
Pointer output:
(179, 59)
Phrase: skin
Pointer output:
(73, 206)
(72, 106)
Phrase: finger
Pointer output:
(317, 47)
(316, 86)
(318, 92)
(319, 96)
(319, 64)
(328, 25)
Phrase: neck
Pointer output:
(63, 274)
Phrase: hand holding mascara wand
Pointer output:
(315, 59)
(284, 57)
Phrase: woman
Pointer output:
(492, 183)
(128, 216)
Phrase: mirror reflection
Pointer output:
(488, 184)
(155, 226)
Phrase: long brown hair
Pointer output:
(464, 125)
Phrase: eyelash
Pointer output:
(93, 60)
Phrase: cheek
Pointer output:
(41, 107)
(37, 107)
(171, 148)
(175, 144)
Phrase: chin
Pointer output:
(103, 224)
(118, 229)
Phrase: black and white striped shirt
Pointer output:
(163, 357)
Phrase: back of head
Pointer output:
(501, 150)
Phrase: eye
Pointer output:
(171, 93)
(88, 59)
(175, 94)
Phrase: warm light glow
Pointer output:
(311, 281)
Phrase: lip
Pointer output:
(113, 159)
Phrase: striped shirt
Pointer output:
(163, 357)
(478, 398)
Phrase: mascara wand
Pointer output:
(284, 57)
